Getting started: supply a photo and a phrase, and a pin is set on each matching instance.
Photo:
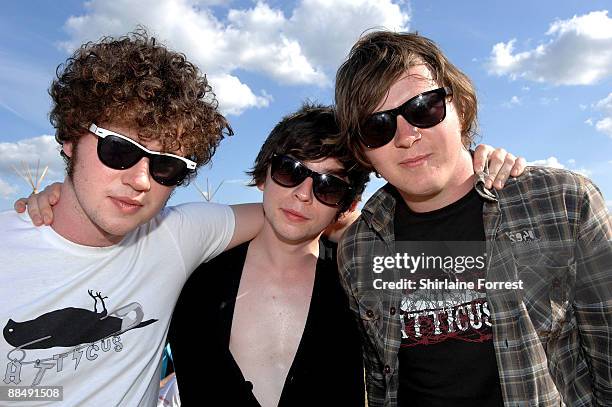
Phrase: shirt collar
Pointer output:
(379, 210)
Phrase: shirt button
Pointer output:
(249, 385)
(392, 311)
(370, 313)
(387, 369)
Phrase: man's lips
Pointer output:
(294, 215)
(126, 204)
(415, 161)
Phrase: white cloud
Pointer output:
(14, 155)
(7, 190)
(553, 162)
(303, 47)
(327, 29)
(237, 94)
(579, 52)
(605, 104)
(604, 125)
(514, 101)
(583, 171)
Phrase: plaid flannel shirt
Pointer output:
(552, 339)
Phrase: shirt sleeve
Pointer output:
(374, 381)
(200, 230)
(593, 296)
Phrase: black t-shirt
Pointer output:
(446, 357)
(327, 369)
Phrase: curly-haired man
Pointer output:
(86, 303)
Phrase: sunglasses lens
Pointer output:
(426, 110)
(287, 171)
(117, 153)
(423, 111)
(330, 190)
(378, 129)
(166, 170)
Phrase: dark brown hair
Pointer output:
(135, 81)
(309, 135)
(375, 63)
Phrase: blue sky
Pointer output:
(542, 69)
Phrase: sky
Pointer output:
(542, 71)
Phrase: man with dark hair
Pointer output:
(279, 330)
(275, 313)
(529, 322)
(85, 304)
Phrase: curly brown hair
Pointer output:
(135, 81)
(375, 63)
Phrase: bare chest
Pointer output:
(268, 322)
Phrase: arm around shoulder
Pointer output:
(249, 220)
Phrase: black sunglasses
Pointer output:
(423, 111)
(119, 152)
(330, 190)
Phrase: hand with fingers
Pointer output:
(501, 163)
(40, 205)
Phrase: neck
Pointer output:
(460, 183)
(72, 223)
(279, 254)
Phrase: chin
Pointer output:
(293, 236)
(422, 190)
(120, 230)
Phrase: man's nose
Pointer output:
(138, 176)
(405, 134)
(303, 192)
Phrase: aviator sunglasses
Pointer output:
(119, 152)
(425, 110)
(330, 190)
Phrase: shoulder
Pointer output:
(11, 221)
(358, 230)
(553, 197)
(549, 183)
(353, 239)
(196, 209)
(226, 262)
(553, 179)
(195, 219)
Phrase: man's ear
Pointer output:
(67, 148)
(353, 206)
(261, 186)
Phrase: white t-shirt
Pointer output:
(54, 293)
